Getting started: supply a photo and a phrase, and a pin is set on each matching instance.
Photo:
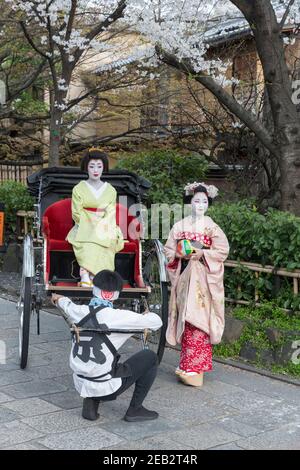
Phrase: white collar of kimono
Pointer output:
(104, 295)
(96, 192)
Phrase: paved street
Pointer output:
(39, 408)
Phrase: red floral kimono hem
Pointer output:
(196, 350)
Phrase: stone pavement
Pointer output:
(39, 408)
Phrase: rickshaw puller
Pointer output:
(97, 374)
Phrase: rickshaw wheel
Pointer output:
(157, 302)
(24, 309)
(24, 305)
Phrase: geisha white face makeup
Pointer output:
(199, 204)
(95, 170)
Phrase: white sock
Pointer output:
(84, 275)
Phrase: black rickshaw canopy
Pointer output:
(55, 183)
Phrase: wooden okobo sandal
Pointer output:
(195, 380)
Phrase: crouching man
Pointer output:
(94, 359)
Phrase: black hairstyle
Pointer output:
(94, 154)
(199, 189)
(110, 281)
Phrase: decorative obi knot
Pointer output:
(206, 241)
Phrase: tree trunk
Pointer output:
(290, 169)
(270, 48)
(55, 137)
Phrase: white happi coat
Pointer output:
(114, 319)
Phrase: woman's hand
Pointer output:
(197, 255)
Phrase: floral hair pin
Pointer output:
(212, 191)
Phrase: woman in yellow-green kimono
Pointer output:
(95, 237)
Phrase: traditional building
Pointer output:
(177, 111)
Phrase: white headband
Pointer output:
(212, 191)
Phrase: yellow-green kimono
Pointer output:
(95, 237)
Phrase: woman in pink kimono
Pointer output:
(196, 313)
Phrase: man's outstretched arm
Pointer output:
(71, 312)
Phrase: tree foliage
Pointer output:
(167, 170)
(63, 33)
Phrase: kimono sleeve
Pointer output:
(217, 254)
(119, 239)
(214, 258)
(77, 205)
(170, 247)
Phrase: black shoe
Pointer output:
(140, 414)
(90, 409)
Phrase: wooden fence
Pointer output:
(18, 171)
(259, 269)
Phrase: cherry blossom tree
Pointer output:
(19, 66)
(180, 30)
(65, 31)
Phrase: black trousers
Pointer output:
(143, 366)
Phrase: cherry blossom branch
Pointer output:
(30, 40)
(286, 13)
(221, 94)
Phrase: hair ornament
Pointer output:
(212, 191)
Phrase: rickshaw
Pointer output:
(50, 266)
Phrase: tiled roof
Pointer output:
(227, 29)
(232, 28)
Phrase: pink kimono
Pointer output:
(196, 312)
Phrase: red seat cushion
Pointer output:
(129, 247)
(57, 222)
(129, 224)
(59, 245)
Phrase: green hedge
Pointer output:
(15, 196)
(269, 239)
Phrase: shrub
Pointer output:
(15, 197)
(269, 239)
(167, 170)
